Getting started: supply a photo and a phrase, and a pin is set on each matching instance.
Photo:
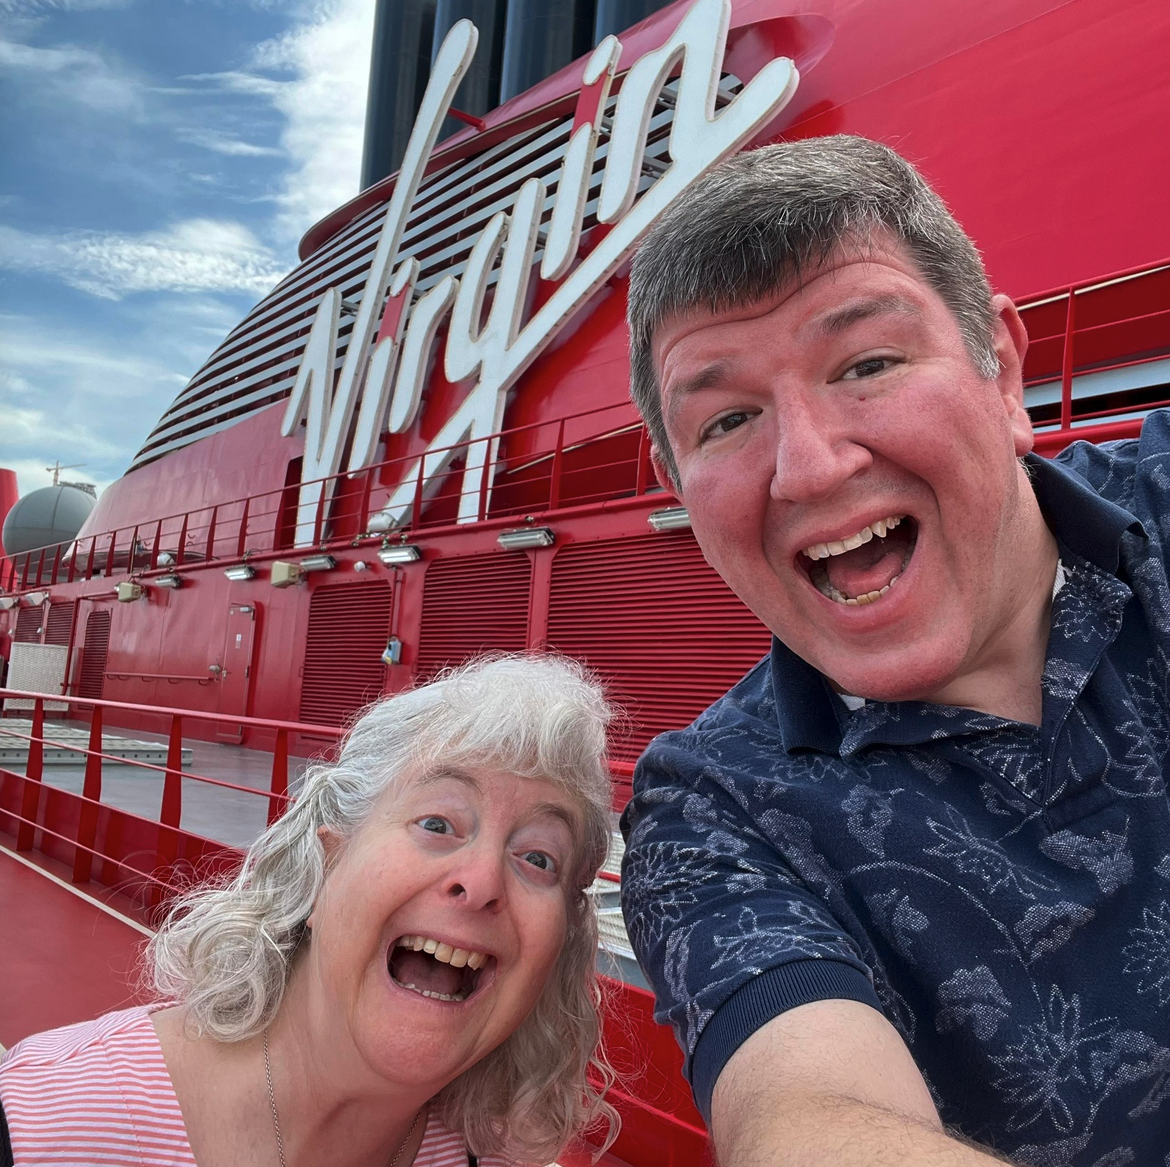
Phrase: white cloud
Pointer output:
(324, 105)
(221, 143)
(198, 255)
(79, 76)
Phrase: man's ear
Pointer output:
(1010, 341)
(662, 473)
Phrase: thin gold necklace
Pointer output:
(276, 1117)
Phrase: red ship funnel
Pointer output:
(8, 497)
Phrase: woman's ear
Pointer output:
(331, 843)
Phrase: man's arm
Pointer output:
(830, 1083)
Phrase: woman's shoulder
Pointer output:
(56, 1048)
(100, 1084)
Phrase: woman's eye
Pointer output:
(435, 824)
(870, 367)
(539, 860)
(725, 424)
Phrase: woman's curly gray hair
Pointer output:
(225, 952)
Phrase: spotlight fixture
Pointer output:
(240, 571)
(284, 574)
(7, 603)
(35, 599)
(165, 559)
(400, 553)
(170, 580)
(128, 591)
(521, 538)
(670, 519)
(318, 563)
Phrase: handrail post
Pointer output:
(481, 510)
(182, 547)
(41, 567)
(319, 521)
(132, 554)
(242, 541)
(154, 545)
(33, 774)
(56, 563)
(416, 504)
(91, 792)
(364, 505)
(279, 785)
(211, 534)
(1066, 366)
(554, 490)
(641, 479)
(91, 557)
(171, 815)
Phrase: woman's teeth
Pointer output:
(456, 957)
(879, 527)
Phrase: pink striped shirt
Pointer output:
(98, 1095)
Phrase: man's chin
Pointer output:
(904, 676)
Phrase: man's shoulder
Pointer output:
(1128, 472)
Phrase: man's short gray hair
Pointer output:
(757, 221)
(226, 952)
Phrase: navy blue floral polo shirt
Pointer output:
(1000, 891)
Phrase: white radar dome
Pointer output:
(53, 514)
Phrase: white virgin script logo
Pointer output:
(386, 363)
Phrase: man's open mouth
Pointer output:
(435, 969)
(862, 568)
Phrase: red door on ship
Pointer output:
(235, 679)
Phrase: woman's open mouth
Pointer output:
(435, 969)
(862, 568)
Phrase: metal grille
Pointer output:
(348, 628)
(60, 623)
(651, 617)
(257, 363)
(471, 606)
(93, 654)
(29, 625)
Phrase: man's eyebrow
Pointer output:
(844, 317)
(710, 377)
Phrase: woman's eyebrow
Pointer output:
(449, 774)
(557, 811)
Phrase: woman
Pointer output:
(401, 973)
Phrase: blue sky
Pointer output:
(159, 160)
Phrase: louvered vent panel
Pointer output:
(93, 655)
(473, 605)
(60, 624)
(348, 628)
(28, 625)
(651, 617)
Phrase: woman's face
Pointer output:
(441, 919)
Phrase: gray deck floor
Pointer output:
(228, 816)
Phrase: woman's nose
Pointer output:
(814, 453)
(477, 881)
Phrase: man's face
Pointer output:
(850, 473)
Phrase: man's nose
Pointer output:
(477, 879)
(816, 451)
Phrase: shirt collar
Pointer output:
(809, 714)
(1080, 518)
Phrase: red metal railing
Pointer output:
(1108, 323)
(577, 460)
(1095, 326)
(31, 811)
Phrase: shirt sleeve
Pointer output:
(730, 928)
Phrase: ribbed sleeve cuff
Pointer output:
(755, 1004)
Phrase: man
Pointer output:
(904, 893)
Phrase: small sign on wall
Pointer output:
(37, 668)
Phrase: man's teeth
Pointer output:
(858, 601)
(456, 957)
(879, 527)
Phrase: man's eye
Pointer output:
(724, 425)
(870, 367)
(439, 826)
